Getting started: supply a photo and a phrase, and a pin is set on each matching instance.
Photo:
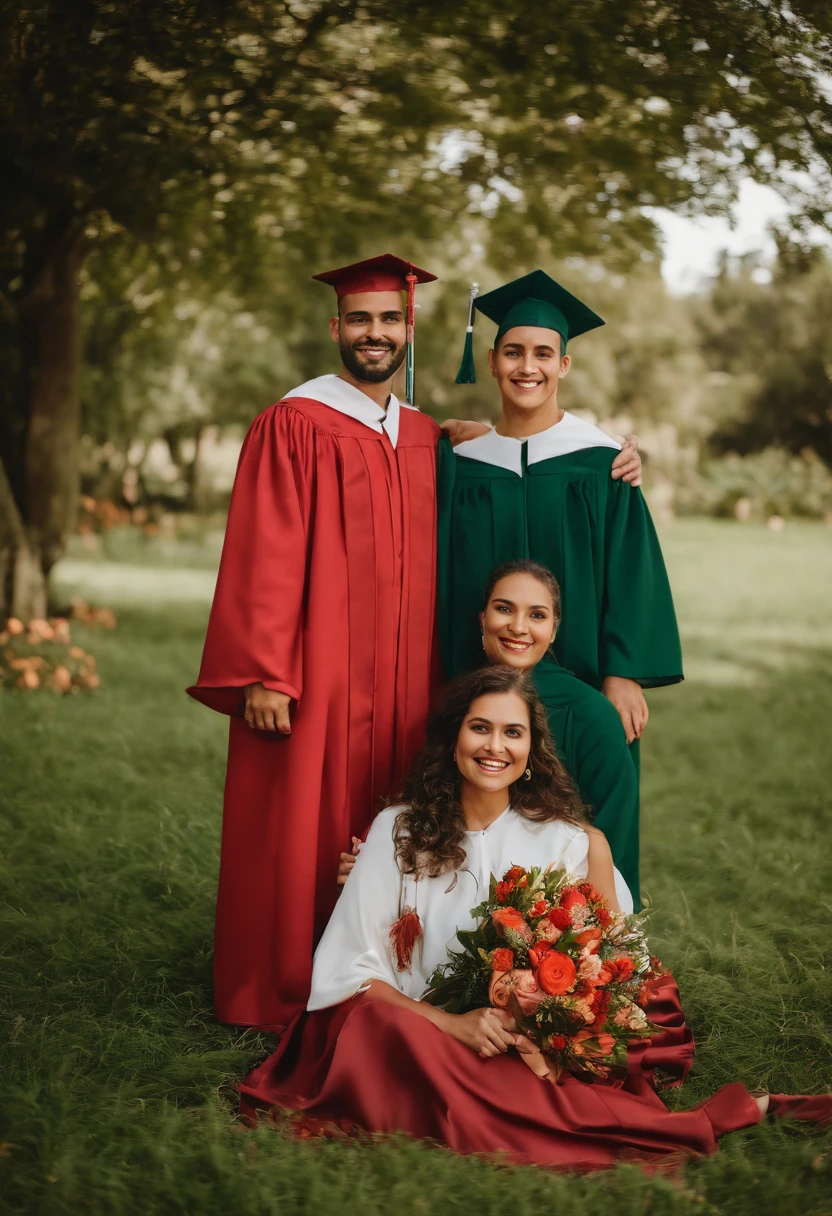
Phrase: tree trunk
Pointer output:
(22, 582)
(50, 340)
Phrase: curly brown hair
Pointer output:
(429, 833)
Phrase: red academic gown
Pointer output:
(326, 592)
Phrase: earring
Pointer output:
(482, 635)
(527, 776)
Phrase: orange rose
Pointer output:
(590, 938)
(502, 959)
(556, 974)
(509, 918)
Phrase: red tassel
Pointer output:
(404, 935)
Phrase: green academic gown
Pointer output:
(551, 498)
(591, 743)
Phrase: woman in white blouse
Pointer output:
(486, 793)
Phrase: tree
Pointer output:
(241, 142)
(771, 344)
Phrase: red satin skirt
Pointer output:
(374, 1066)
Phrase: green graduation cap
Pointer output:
(536, 299)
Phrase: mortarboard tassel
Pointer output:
(410, 371)
(467, 373)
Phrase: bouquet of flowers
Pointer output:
(574, 975)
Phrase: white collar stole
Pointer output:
(571, 434)
(331, 390)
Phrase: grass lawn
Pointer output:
(115, 1083)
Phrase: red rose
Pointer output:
(591, 938)
(502, 959)
(587, 889)
(557, 1042)
(622, 969)
(556, 974)
(509, 918)
(537, 955)
(600, 1003)
(504, 889)
(539, 908)
(604, 917)
(560, 918)
(513, 874)
(571, 897)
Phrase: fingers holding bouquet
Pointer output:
(489, 1032)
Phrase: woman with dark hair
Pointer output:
(487, 792)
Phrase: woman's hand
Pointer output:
(628, 699)
(488, 1032)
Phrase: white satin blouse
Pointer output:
(356, 946)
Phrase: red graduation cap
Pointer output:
(384, 273)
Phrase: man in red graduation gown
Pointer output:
(320, 643)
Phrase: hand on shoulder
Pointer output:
(461, 430)
(627, 464)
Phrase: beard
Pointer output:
(373, 373)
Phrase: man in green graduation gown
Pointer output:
(538, 485)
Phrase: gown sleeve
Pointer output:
(445, 479)
(639, 635)
(254, 631)
(355, 947)
(608, 781)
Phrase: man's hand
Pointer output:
(347, 861)
(460, 432)
(628, 699)
(267, 710)
(627, 464)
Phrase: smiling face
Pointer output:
(492, 748)
(371, 333)
(518, 623)
(527, 365)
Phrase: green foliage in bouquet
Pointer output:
(574, 975)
